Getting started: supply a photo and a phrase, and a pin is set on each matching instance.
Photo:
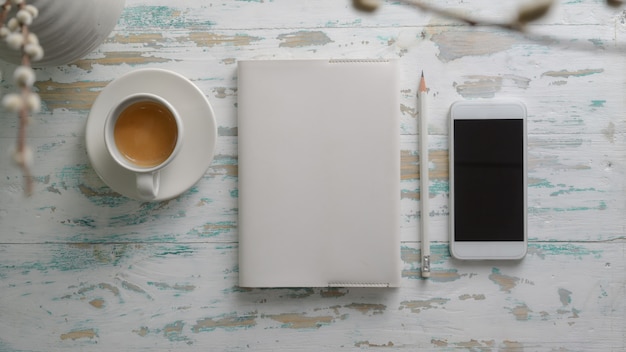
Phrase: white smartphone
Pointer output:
(488, 180)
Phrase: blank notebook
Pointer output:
(319, 173)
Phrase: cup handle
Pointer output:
(148, 184)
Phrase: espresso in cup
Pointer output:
(143, 133)
(146, 133)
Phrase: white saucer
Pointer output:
(198, 118)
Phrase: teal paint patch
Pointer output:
(542, 183)
(597, 103)
(603, 293)
(597, 42)
(97, 237)
(225, 160)
(236, 290)
(224, 166)
(175, 250)
(169, 237)
(542, 210)
(147, 211)
(192, 190)
(204, 201)
(71, 174)
(103, 196)
(439, 253)
(537, 210)
(70, 259)
(49, 146)
(601, 206)
(386, 40)
(80, 257)
(234, 193)
(573, 190)
(177, 287)
(439, 187)
(72, 178)
(129, 219)
(158, 16)
(566, 249)
(565, 296)
(84, 222)
(225, 248)
(74, 257)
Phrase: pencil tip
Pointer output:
(422, 86)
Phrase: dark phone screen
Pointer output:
(489, 180)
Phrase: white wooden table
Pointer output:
(83, 268)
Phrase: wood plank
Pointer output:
(83, 268)
(183, 296)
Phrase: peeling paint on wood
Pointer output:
(301, 321)
(577, 73)
(80, 334)
(368, 344)
(132, 58)
(303, 38)
(488, 86)
(521, 312)
(477, 297)
(506, 283)
(98, 303)
(75, 96)
(454, 45)
(226, 322)
(418, 306)
(438, 165)
(208, 39)
(367, 308)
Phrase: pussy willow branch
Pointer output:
(5, 11)
(18, 37)
(458, 16)
(530, 12)
(24, 117)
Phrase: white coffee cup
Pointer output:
(143, 133)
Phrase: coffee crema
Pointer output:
(145, 133)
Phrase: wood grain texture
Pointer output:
(84, 268)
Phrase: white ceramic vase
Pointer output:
(69, 29)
